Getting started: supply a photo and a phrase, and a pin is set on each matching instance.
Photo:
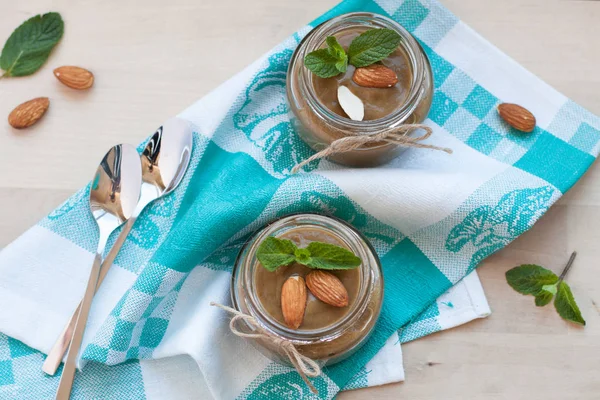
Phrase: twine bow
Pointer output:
(396, 135)
(305, 366)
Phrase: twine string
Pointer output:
(305, 366)
(396, 135)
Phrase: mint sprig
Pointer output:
(336, 50)
(273, 253)
(30, 45)
(368, 48)
(544, 285)
(328, 62)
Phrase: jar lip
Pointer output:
(414, 52)
(314, 335)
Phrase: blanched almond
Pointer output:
(351, 104)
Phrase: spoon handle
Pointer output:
(68, 375)
(61, 345)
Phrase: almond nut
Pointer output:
(293, 301)
(517, 117)
(375, 76)
(28, 113)
(74, 77)
(328, 288)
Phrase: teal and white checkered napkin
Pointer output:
(432, 218)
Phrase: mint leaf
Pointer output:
(545, 295)
(566, 306)
(543, 298)
(550, 289)
(530, 279)
(328, 62)
(302, 256)
(338, 52)
(329, 256)
(322, 63)
(274, 253)
(372, 46)
(29, 46)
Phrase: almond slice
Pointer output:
(351, 104)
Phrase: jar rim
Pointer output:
(358, 243)
(414, 52)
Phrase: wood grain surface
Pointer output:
(153, 58)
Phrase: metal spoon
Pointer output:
(114, 194)
(164, 162)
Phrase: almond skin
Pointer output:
(327, 287)
(293, 301)
(375, 76)
(28, 113)
(74, 77)
(517, 117)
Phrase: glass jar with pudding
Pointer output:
(327, 333)
(313, 101)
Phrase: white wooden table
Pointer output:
(152, 58)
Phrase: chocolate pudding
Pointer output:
(378, 102)
(314, 109)
(318, 314)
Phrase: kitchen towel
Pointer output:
(179, 378)
(432, 217)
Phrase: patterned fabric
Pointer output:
(21, 376)
(431, 217)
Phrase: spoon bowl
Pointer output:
(116, 186)
(115, 190)
(165, 160)
(113, 197)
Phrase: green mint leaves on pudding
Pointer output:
(330, 256)
(30, 45)
(338, 52)
(274, 253)
(368, 48)
(372, 46)
(544, 285)
(328, 62)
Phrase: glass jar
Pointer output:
(329, 344)
(318, 126)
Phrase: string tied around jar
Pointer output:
(396, 135)
(305, 366)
